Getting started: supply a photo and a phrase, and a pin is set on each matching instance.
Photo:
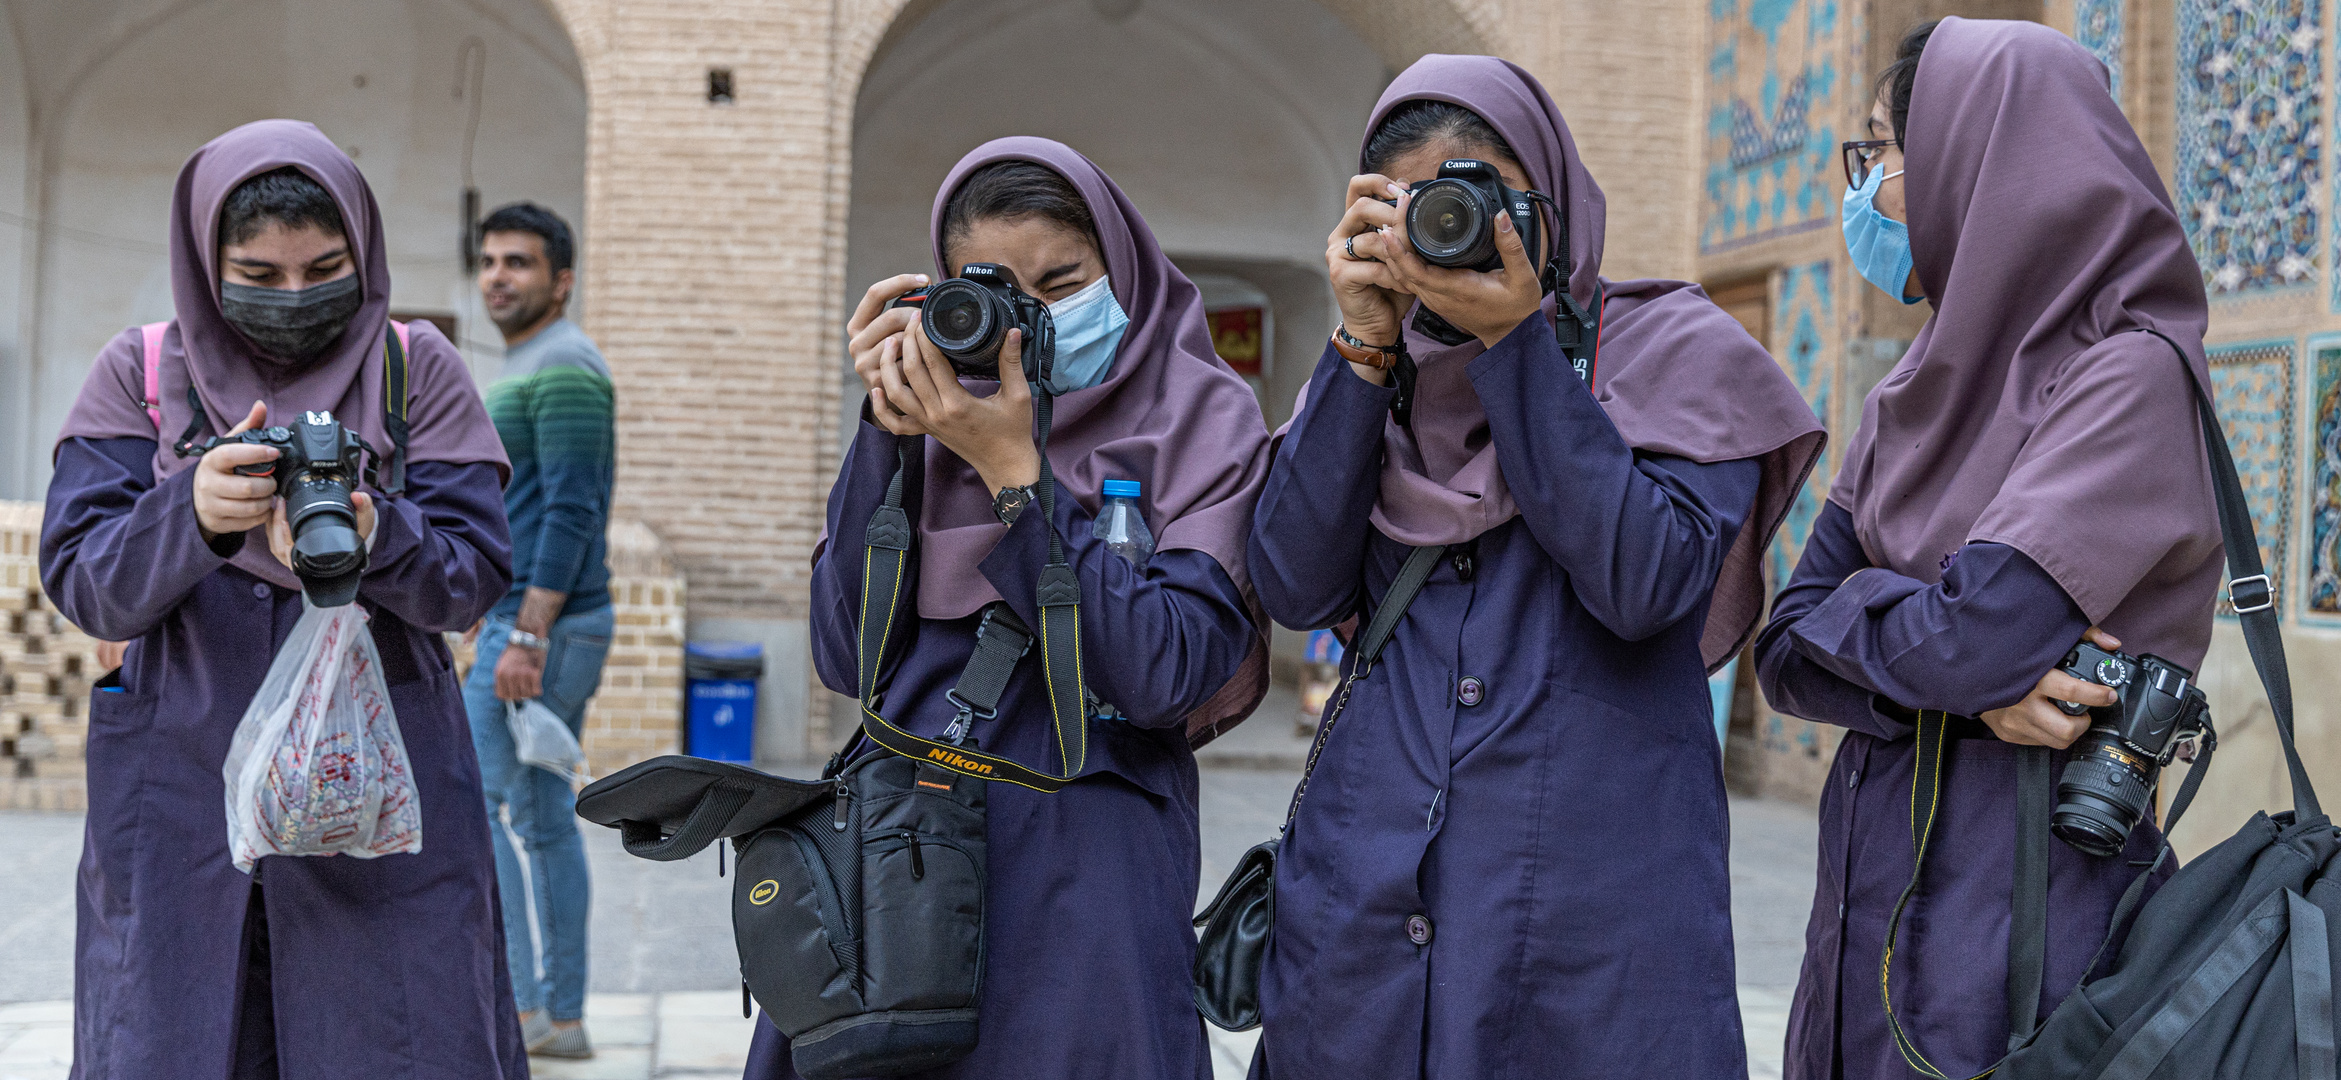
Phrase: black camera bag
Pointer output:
(2228, 970)
(858, 909)
(1235, 926)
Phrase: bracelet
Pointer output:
(1378, 357)
(524, 639)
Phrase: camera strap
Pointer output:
(2250, 594)
(390, 476)
(1001, 641)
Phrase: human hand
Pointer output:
(1488, 305)
(227, 502)
(520, 674)
(876, 337)
(110, 654)
(2036, 720)
(280, 529)
(1373, 309)
(993, 434)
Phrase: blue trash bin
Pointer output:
(719, 679)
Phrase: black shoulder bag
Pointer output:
(858, 909)
(2228, 971)
(1235, 925)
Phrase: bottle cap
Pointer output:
(1115, 488)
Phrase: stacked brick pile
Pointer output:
(46, 666)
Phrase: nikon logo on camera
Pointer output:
(764, 891)
(958, 762)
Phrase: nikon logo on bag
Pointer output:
(764, 891)
(958, 762)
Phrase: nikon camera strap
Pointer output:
(1001, 640)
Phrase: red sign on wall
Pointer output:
(1235, 335)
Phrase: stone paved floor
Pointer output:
(665, 998)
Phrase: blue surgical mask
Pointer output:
(1879, 244)
(1090, 324)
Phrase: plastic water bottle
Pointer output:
(1120, 524)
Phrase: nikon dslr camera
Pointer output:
(969, 316)
(317, 467)
(2109, 781)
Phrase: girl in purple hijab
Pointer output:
(308, 968)
(1510, 857)
(2031, 472)
(1087, 891)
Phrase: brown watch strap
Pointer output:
(1358, 352)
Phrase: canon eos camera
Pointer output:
(318, 465)
(969, 316)
(1451, 220)
(2109, 781)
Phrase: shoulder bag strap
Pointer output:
(1000, 640)
(394, 404)
(150, 341)
(1366, 650)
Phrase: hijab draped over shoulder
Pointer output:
(2029, 412)
(1675, 374)
(1170, 414)
(201, 349)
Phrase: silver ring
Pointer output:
(1350, 246)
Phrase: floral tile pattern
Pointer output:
(2253, 387)
(2097, 25)
(1771, 140)
(1801, 318)
(2321, 592)
(2251, 90)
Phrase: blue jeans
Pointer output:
(542, 810)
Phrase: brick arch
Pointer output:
(1400, 31)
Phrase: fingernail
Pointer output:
(1396, 190)
(920, 278)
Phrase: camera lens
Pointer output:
(965, 321)
(328, 553)
(1448, 225)
(2102, 795)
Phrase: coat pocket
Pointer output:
(789, 920)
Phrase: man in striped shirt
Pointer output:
(556, 412)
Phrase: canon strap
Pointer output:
(1001, 640)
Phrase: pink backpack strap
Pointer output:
(151, 342)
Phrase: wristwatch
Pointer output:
(1011, 502)
(524, 639)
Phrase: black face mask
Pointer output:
(292, 326)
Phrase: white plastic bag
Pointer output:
(542, 740)
(317, 766)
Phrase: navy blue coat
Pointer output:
(1087, 892)
(388, 967)
(1562, 834)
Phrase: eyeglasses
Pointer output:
(1860, 156)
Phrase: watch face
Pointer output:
(1010, 502)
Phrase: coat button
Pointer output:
(1464, 566)
(1853, 778)
(261, 591)
(1470, 690)
(1418, 929)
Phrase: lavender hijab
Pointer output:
(1675, 374)
(444, 414)
(2027, 413)
(1169, 414)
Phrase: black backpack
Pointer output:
(2228, 971)
(858, 909)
